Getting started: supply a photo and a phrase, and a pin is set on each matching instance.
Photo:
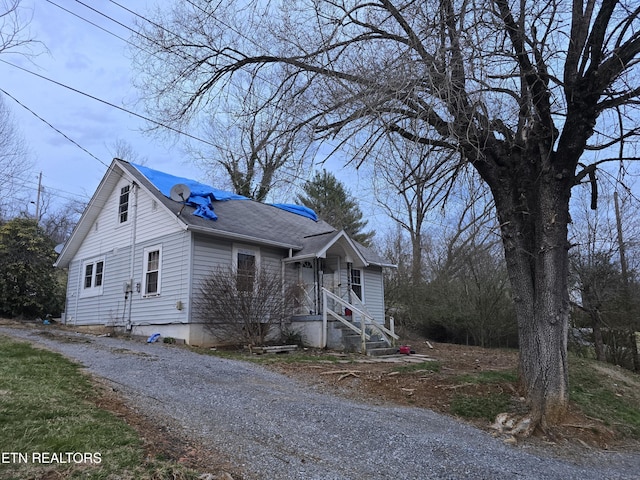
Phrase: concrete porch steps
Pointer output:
(353, 343)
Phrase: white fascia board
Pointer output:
(352, 245)
(91, 212)
(238, 236)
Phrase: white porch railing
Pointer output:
(366, 320)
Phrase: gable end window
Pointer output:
(123, 205)
(151, 274)
(93, 277)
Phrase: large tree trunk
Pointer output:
(416, 258)
(533, 219)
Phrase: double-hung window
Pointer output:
(93, 277)
(356, 282)
(246, 264)
(151, 274)
(123, 204)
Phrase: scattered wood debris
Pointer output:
(273, 349)
(343, 373)
(339, 372)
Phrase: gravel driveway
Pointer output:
(277, 428)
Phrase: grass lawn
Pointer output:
(51, 428)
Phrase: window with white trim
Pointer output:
(356, 282)
(92, 277)
(151, 274)
(245, 263)
(123, 204)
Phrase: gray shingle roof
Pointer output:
(240, 220)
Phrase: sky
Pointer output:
(81, 56)
(64, 92)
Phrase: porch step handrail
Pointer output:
(366, 319)
(378, 326)
(347, 323)
(327, 311)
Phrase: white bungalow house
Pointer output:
(137, 258)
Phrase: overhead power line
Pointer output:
(113, 105)
(49, 124)
(92, 23)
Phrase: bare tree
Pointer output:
(125, 151)
(241, 135)
(14, 165)
(518, 90)
(13, 26)
(403, 187)
(253, 146)
(244, 305)
(604, 273)
(59, 223)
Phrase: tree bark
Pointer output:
(534, 219)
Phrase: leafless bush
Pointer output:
(245, 308)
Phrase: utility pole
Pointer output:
(38, 198)
(625, 279)
(623, 256)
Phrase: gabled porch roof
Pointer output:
(337, 243)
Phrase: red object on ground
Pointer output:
(405, 349)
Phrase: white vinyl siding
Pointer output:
(373, 292)
(100, 309)
(210, 254)
(111, 308)
(113, 235)
(175, 261)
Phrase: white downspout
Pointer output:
(134, 220)
(78, 290)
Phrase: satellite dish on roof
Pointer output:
(179, 192)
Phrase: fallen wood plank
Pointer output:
(339, 372)
(274, 349)
(349, 374)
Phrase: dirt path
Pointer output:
(267, 425)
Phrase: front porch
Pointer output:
(344, 326)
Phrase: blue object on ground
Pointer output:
(153, 338)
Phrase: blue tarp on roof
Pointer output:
(297, 209)
(202, 196)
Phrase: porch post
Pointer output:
(323, 335)
(363, 334)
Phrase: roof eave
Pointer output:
(245, 238)
(72, 243)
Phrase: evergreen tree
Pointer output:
(327, 196)
(29, 283)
